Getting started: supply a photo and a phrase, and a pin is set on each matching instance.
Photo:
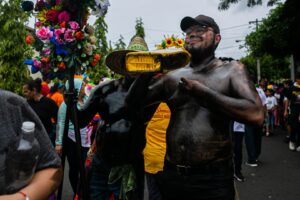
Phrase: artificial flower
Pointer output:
(169, 42)
(61, 66)
(94, 63)
(46, 51)
(69, 35)
(92, 39)
(79, 35)
(74, 25)
(52, 15)
(97, 57)
(45, 59)
(64, 16)
(29, 39)
(44, 33)
(179, 42)
(63, 25)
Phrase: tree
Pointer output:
(272, 68)
(13, 49)
(225, 4)
(100, 70)
(139, 28)
(120, 44)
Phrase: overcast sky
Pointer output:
(162, 17)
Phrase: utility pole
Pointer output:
(257, 60)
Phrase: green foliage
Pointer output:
(271, 68)
(139, 28)
(120, 44)
(13, 49)
(100, 70)
(225, 4)
(270, 36)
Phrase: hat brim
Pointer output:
(187, 22)
(116, 61)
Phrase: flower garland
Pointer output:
(64, 39)
(172, 41)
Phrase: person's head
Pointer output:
(288, 83)
(32, 88)
(269, 92)
(202, 35)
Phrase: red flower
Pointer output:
(94, 63)
(61, 66)
(29, 39)
(97, 57)
(79, 35)
(52, 15)
(45, 59)
(63, 25)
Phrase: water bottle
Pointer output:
(21, 159)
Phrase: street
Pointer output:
(278, 175)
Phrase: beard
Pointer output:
(200, 53)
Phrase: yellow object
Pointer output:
(156, 61)
(155, 149)
(142, 63)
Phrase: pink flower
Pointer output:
(59, 35)
(64, 16)
(46, 51)
(74, 25)
(44, 33)
(57, 2)
(69, 35)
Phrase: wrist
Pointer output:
(24, 195)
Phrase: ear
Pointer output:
(217, 38)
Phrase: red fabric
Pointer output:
(45, 89)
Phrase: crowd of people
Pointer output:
(281, 104)
(170, 128)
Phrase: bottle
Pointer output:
(21, 159)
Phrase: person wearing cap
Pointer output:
(204, 97)
(117, 167)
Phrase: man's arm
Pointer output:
(44, 183)
(244, 105)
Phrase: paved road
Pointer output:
(277, 177)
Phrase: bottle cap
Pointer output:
(28, 126)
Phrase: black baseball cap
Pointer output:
(201, 20)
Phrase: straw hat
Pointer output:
(136, 59)
(116, 59)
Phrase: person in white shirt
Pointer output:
(271, 106)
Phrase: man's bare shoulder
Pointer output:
(234, 64)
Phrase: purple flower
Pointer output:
(74, 25)
(46, 51)
(64, 16)
(44, 33)
(69, 35)
(37, 63)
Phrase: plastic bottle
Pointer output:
(21, 159)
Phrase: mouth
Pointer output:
(195, 40)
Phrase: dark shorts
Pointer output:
(211, 182)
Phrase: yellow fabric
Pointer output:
(155, 150)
